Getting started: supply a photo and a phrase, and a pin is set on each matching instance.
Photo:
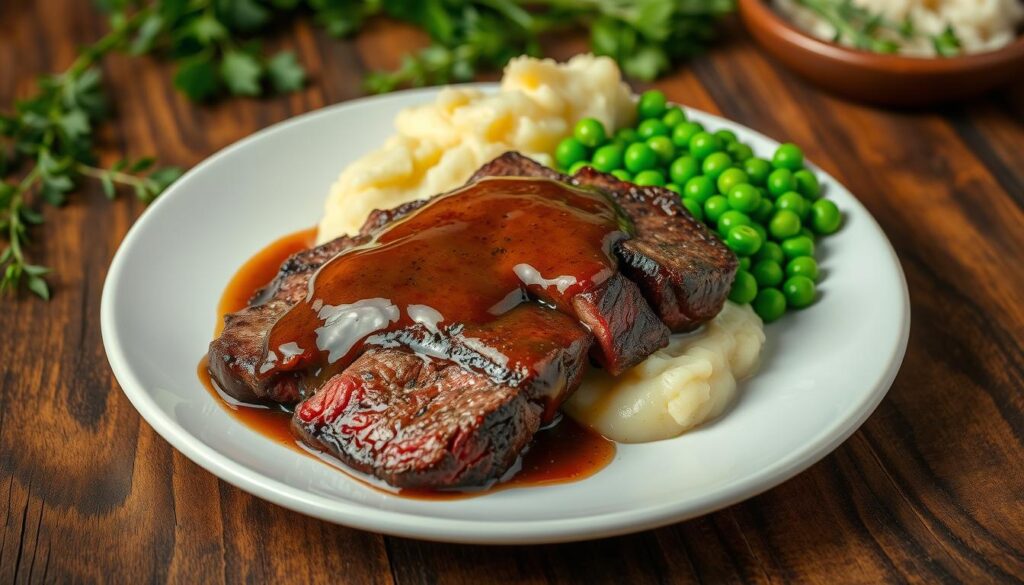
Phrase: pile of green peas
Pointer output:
(769, 212)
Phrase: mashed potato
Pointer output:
(439, 145)
(677, 388)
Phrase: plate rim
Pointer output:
(445, 529)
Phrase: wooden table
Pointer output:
(931, 489)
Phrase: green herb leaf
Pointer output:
(163, 178)
(149, 30)
(142, 164)
(241, 72)
(285, 72)
(38, 286)
(243, 15)
(197, 78)
(108, 186)
(75, 124)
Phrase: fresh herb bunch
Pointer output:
(46, 148)
(214, 42)
(646, 37)
(871, 31)
(46, 144)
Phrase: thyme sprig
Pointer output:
(46, 149)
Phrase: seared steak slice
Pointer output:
(293, 276)
(415, 420)
(237, 352)
(234, 356)
(380, 218)
(683, 269)
(625, 329)
(418, 422)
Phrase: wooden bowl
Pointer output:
(881, 79)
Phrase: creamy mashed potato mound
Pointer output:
(676, 388)
(437, 146)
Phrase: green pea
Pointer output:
(745, 263)
(765, 210)
(576, 166)
(729, 178)
(744, 288)
(794, 202)
(608, 157)
(760, 231)
(699, 188)
(799, 291)
(806, 232)
(769, 304)
(825, 217)
(715, 164)
(731, 219)
(650, 178)
(744, 197)
(715, 206)
(784, 224)
(590, 132)
(803, 266)
(743, 240)
(725, 136)
(663, 147)
(626, 136)
(758, 170)
(694, 208)
(649, 128)
(682, 133)
(683, 169)
(639, 157)
(674, 117)
(674, 188)
(703, 144)
(569, 152)
(622, 175)
(771, 251)
(781, 181)
(788, 156)
(807, 184)
(798, 246)
(767, 272)
(739, 151)
(652, 104)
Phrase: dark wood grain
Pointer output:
(930, 490)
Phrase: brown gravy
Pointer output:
(468, 258)
(563, 453)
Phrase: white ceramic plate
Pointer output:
(824, 369)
